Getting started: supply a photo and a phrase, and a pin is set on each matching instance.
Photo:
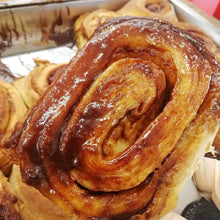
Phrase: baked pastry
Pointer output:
(12, 107)
(162, 9)
(32, 207)
(16, 97)
(8, 202)
(121, 130)
(200, 34)
(87, 23)
(12, 110)
(33, 86)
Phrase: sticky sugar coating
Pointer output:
(120, 131)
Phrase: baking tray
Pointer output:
(38, 26)
(43, 29)
(12, 3)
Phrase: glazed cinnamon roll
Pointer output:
(12, 107)
(33, 86)
(12, 110)
(87, 23)
(120, 131)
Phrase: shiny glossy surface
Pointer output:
(100, 142)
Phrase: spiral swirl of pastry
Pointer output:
(211, 46)
(12, 107)
(87, 23)
(33, 86)
(12, 110)
(121, 129)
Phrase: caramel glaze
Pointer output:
(55, 73)
(65, 145)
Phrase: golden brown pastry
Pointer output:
(33, 86)
(12, 107)
(8, 202)
(121, 130)
(12, 110)
(36, 206)
(86, 24)
(150, 8)
(200, 34)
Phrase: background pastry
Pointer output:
(150, 8)
(12, 108)
(8, 202)
(200, 34)
(86, 24)
(19, 94)
(33, 86)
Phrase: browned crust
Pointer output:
(76, 170)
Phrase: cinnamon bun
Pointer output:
(162, 9)
(86, 24)
(12, 110)
(200, 34)
(33, 86)
(121, 130)
(8, 202)
(12, 107)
